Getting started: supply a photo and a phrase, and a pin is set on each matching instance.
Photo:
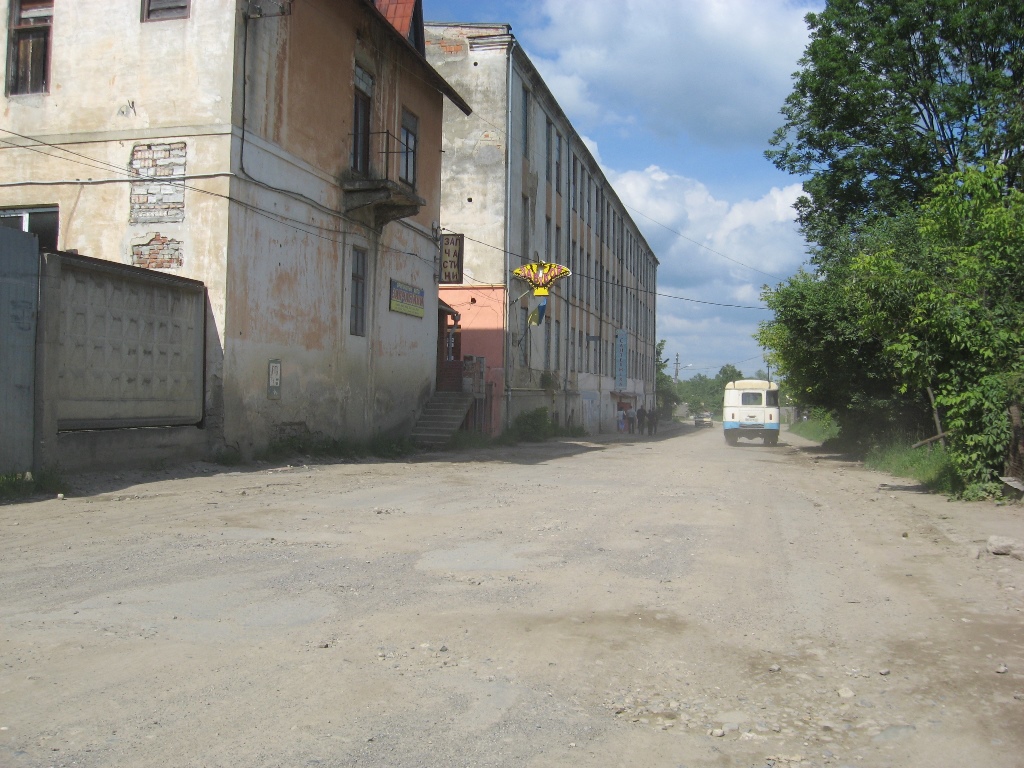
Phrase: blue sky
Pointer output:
(677, 100)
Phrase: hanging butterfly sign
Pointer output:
(541, 275)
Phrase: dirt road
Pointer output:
(667, 602)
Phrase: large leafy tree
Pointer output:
(950, 313)
(892, 92)
(831, 361)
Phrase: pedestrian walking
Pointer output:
(641, 419)
(631, 418)
(652, 422)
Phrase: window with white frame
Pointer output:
(41, 222)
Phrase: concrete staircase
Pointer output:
(441, 418)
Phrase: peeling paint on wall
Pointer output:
(155, 251)
(155, 198)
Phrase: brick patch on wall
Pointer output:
(157, 197)
(154, 251)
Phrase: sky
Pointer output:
(677, 99)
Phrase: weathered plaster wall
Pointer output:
(473, 173)
(289, 277)
(275, 259)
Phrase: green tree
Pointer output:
(701, 393)
(950, 312)
(668, 396)
(727, 373)
(829, 358)
(892, 92)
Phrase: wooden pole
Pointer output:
(935, 415)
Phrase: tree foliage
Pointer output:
(891, 93)
(951, 312)
(907, 121)
(705, 393)
(667, 393)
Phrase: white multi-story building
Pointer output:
(520, 184)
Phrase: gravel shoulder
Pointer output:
(607, 602)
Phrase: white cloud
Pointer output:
(713, 251)
(716, 70)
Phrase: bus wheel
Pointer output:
(771, 439)
(731, 438)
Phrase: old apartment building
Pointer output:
(521, 186)
(283, 156)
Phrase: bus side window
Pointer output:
(772, 397)
(751, 398)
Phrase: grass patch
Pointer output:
(820, 426)
(530, 427)
(24, 486)
(929, 465)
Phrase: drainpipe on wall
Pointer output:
(508, 243)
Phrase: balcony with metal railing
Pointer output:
(386, 190)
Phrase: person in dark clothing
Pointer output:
(652, 422)
(641, 419)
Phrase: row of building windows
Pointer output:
(29, 51)
(580, 345)
(29, 43)
(596, 286)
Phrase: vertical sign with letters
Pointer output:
(452, 250)
(621, 359)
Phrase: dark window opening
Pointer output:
(407, 156)
(357, 317)
(158, 10)
(42, 223)
(28, 57)
(361, 121)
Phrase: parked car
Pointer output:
(703, 420)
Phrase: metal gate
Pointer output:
(19, 295)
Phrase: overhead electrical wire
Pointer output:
(298, 225)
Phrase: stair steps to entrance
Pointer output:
(441, 418)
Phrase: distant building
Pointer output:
(285, 154)
(521, 186)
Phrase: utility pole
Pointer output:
(677, 366)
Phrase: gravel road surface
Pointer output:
(654, 602)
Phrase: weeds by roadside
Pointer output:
(23, 486)
(379, 447)
(929, 465)
(533, 426)
(820, 426)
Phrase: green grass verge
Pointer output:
(819, 427)
(929, 465)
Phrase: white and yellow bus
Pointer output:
(751, 410)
